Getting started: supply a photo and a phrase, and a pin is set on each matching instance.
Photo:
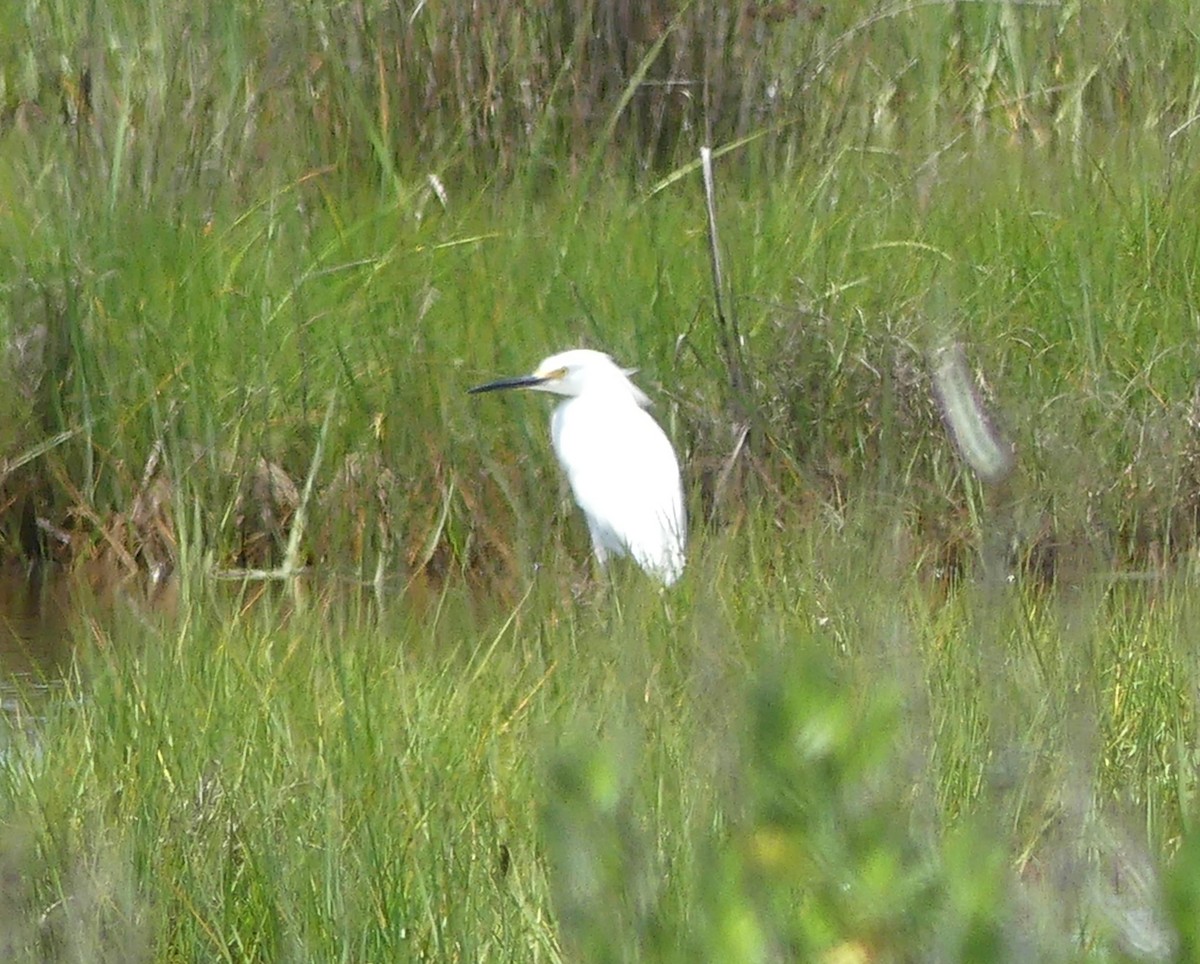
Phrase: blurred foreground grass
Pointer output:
(841, 739)
(799, 755)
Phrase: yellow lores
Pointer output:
(621, 466)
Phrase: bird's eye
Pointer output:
(558, 373)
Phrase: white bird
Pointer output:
(622, 469)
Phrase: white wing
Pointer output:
(625, 477)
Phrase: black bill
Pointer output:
(521, 381)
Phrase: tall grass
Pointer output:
(800, 754)
(180, 185)
(169, 95)
(223, 336)
(840, 739)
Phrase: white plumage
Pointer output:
(619, 462)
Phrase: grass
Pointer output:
(814, 759)
(842, 738)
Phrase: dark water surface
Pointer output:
(35, 642)
(35, 606)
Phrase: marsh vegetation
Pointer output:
(252, 255)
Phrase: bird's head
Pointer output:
(573, 373)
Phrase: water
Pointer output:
(35, 643)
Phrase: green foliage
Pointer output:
(749, 769)
(173, 93)
(839, 740)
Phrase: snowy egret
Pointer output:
(621, 466)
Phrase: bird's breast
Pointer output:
(585, 433)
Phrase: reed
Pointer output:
(843, 738)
